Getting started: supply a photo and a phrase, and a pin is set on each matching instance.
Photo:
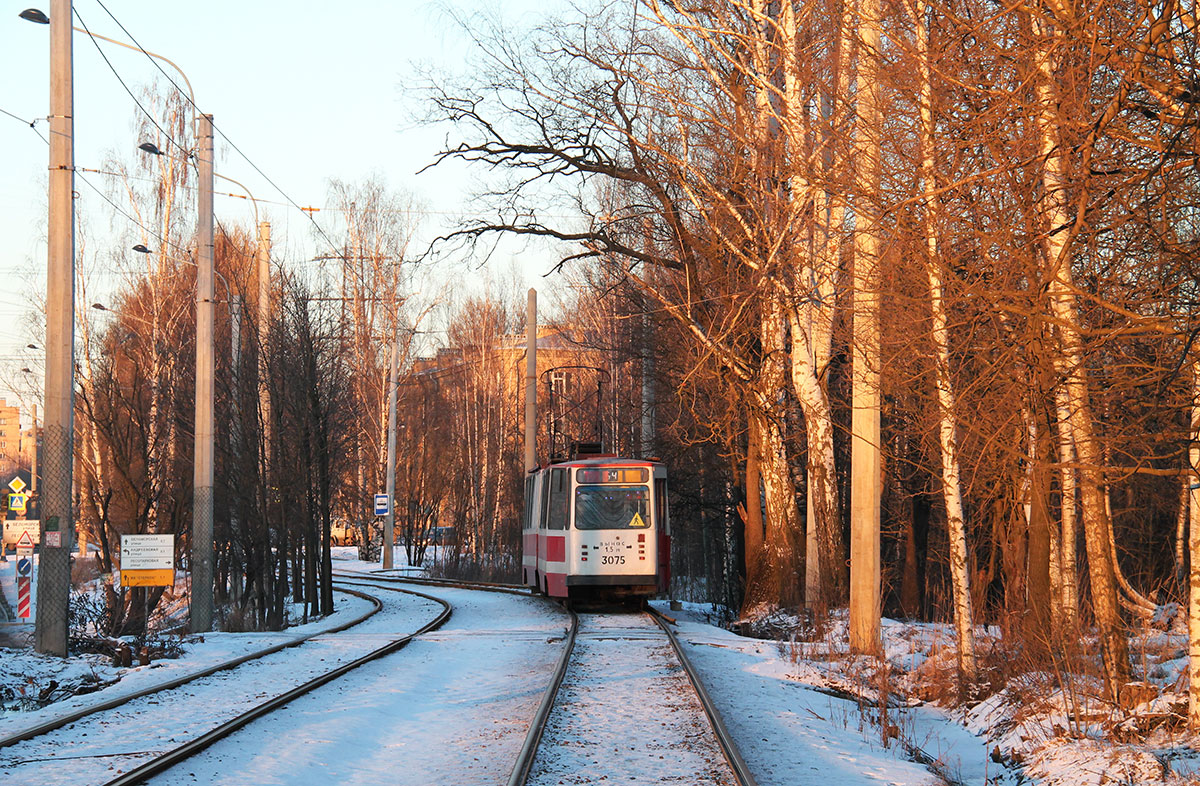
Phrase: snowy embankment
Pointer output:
(806, 713)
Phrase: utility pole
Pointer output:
(531, 381)
(54, 567)
(866, 482)
(389, 521)
(201, 610)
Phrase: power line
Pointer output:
(15, 117)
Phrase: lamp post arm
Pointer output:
(167, 60)
(243, 187)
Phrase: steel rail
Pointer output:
(65, 720)
(187, 750)
(485, 586)
(524, 763)
(728, 746)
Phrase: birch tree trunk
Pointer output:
(776, 567)
(1064, 308)
(1068, 559)
(956, 528)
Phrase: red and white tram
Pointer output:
(597, 526)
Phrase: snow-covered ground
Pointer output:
(453, 707)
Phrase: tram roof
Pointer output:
(604, 461)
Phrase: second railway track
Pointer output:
(93, 748)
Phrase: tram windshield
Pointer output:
(612, 507)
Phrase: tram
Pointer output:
(597, 526)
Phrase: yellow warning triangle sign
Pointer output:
(636, 521)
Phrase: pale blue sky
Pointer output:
(309, 90)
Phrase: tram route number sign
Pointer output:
(383, 504)
(147, 560)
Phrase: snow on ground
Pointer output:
(453, 707)
(789, 732)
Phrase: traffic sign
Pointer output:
(17, 485)
(16, 502)
(24, 566)
(382, 505)
(25, 542)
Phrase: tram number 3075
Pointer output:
(612, 559)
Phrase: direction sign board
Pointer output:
(17, 485)
(147, 560)
(13, 530)
(382, 505)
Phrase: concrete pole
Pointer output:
(54, 567)
(531, 382)
(389, 521)
(866, 481)
(201, 611)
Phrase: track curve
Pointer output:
(187, 750)
(62, 721)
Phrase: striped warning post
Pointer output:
(23, 605)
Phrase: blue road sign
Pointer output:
(24, 566)
(382, 505)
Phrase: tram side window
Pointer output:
(560, 499)
(527, 513)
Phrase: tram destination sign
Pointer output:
(147, 560)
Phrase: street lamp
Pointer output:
(36, 16)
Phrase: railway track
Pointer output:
(486, 586)
(19, 765)
(656, 735)
(177, 755)
(66, 719)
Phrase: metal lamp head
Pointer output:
(151, 148)
(34, 15)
